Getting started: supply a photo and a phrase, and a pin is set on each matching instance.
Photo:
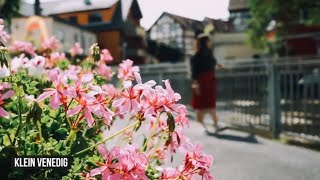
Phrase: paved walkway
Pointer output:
(241, 156)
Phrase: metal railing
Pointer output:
(279, 96)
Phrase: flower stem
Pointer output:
(108, 138)
(20, 116)
(71, 134)
(151, 133)
(40, 130)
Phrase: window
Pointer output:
(83, 42)
(240, 20)
(76, 37)
(95, 17)
(60, 35)
(73, 19)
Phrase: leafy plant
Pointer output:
(51, 107)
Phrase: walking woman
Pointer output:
(203, 65)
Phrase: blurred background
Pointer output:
(269, 86)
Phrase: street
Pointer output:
(241, 156)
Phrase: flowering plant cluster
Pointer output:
(53, 106)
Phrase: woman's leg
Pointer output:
(200, 116)
(214, 116)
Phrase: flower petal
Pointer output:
(45, 95)
(7, 94)
(87, 78)
(74, 111)
(55, 101)
(3, 113)
(89, 118)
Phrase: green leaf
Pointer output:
(62, 131)
(170, 122)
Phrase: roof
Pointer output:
(236, 5)
(220, 25)
(54, 7)
(186, 23)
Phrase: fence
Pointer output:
(277, 96)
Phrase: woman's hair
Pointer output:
(202, 43)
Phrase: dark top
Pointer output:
(202, 61)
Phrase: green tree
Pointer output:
(9, 8)
(282, 14)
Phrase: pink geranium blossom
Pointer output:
(105, 56)
(126, 71)
(3, 34)
(88, 107)
(197, 163)
(76, 49)
(128, 100)
(4, 71)
(131, 164)
(23, 47)
(19, 62)
(5, 93)
(87, 102)
(59, 94)
(54, 58)
(36, 66)
(51, 43)
(105, 71)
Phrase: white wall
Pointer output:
(64, 32)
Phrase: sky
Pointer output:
(194, 9)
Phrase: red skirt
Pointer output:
(207, 87)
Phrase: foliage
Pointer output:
(284, 14)
(9, 9)
(53, 106)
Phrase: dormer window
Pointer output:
(95, 17)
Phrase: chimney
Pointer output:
(87, 2)
(37, 8)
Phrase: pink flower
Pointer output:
(4, 71)
(37, 62)
(105, 56)
(125, 163)
(23, 47)
(74, 69)
(51, 43)
(36, 66)
(105, 71)
(126, 71)
(110, 89)
(182, 118)
(76, 49)
(3, 34)
(59, 94)
(196, 166)
(197, 162)
(171, 98)
(5, 93)
(128, 100)
(88, 107)
(102, 101)
(19, 62)
(88, 104)
(154, 102)
(54, 58)
(169, 173)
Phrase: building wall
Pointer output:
(69, 35)
(228, 46)
(167, 31)
(66, 33)
(111, 40)
(83, 17)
